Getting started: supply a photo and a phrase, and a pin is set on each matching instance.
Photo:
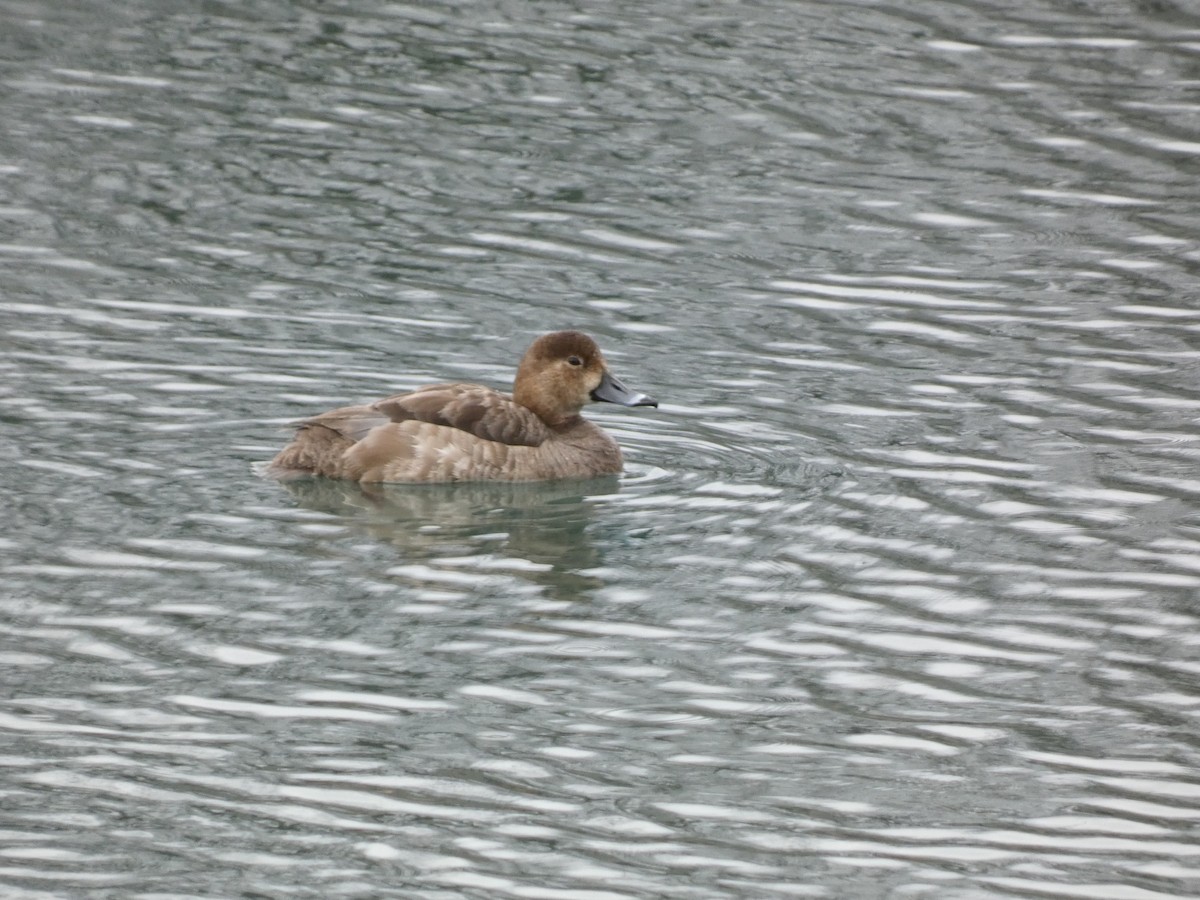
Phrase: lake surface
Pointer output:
(899, 595)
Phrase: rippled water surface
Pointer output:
(898, 596)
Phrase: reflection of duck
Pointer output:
(467, 432)
(546, 524)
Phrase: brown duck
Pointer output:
(468, 432)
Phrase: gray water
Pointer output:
(898, 596)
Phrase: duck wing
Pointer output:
(473, 408)
(350, 422)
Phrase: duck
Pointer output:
(469, 432)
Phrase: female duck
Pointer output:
(467, 432)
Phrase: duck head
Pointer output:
(564, 370)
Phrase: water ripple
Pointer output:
(896, 594)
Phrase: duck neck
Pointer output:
(545, 408)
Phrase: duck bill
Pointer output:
(611, 390)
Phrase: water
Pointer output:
(897, 597)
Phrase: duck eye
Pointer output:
(575, 360)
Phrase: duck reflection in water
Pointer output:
(546, 524)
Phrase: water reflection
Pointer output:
(448, 533)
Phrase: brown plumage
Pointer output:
(468, 432)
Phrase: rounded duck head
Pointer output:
(563, 371)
